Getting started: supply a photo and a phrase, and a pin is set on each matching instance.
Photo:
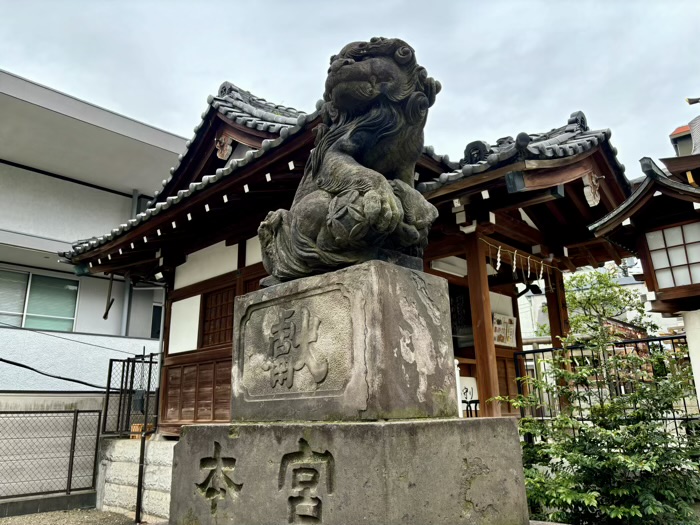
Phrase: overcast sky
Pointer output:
(505, 66)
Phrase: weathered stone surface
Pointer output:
(357, 192)
(434, 471)
(368, 342)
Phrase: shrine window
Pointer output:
(675, 255)
(217, 317)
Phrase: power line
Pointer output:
(69, 339)
(20, 365)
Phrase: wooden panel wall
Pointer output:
(196, 386)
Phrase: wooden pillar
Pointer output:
(556, 309)
(484, 347)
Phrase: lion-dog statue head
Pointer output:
(357, 195)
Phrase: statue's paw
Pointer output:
(268, 227)
(407, 234)
(417, 210)
(382, 209)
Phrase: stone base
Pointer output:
(367, 342)
(420, 472)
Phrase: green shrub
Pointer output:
(611, 454)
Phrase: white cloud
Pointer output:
(505, 66)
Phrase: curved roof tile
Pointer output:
(572, 139)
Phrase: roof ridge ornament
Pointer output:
(579, 118)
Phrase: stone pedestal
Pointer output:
(369, 342)
(344, 387)
(419, 472)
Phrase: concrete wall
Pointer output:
(92, 299)
(501, 304)
(79, 356)
(253, 251)
(141, 313)
(209, 262)
(57, 209)
(184, 325)
(692, 332)
(684, 145)
(213, 260)
(118, 474)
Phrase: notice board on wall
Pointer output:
(504, 330)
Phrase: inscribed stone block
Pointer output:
(372, 341)
(420, 472)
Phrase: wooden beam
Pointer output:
(606, 196)
(556, 309)
(245, 135)
(482, 326)
(518, 200)
(474, 182)
(507, 250)
(629, 212)
(589, 256)
(450, 278)
(583, 209)
(612, 252)
(556, 213)
(450, 245)
(468, 183)
(518, 181)
(518, 230)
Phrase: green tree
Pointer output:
(608, 455)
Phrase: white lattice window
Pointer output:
(675, 255)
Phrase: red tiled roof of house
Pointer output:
(680, 130)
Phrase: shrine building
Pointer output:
(513, 212)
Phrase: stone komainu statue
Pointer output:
(356, 198)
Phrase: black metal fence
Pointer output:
(131, 398)
(607, 375)
(45, 452)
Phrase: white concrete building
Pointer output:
(69, 170)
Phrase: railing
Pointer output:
(46, 452)
(131, 398)
(607, 379)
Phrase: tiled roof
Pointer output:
(569, 140)
(654, 178)
(444, 159)
(680, 130)
(154, 209)
(245, 109)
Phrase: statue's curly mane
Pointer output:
(390, 111)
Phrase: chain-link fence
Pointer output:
(131, 399)
(48, 452)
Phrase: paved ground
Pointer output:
(70, 517)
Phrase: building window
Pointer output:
(675, 255)
(37, 301)
(156, 321)
(217, 317)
